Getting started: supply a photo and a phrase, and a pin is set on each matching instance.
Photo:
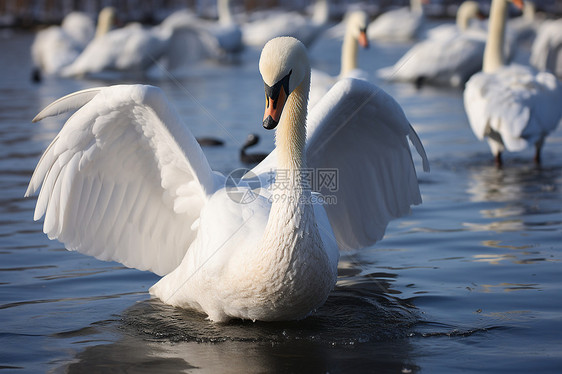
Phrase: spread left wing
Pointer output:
(359, 134)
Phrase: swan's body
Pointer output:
(401, 24)
(512, 106)
(56, 47)
(448, 58)
(546, 53)
(355, 35)
(280, 23)
(125, 180)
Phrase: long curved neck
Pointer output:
(464, 14)
(493, 53)
(416, 6)
(349, 52)
(290, 136)
(105, 22)
(529, 11)
(291, 215)
(321, 12)
(223, 10)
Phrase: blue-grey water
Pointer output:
(471, 281)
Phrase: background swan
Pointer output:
(218, 39)
(355, 35)
(525, 26)
(268, 25)
(448, 57)
(131, 49)
(401, 24)
(546, 53)
(510, 106)
(56, 47)
(468, 17)
(125, 180)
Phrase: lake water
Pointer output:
(471, 281)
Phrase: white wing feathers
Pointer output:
(65, 104)
(361, 131)
(124, 180)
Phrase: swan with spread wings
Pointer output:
(125, 180)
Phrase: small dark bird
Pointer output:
(252, 158)
(209, 142)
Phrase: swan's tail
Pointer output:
(68, 103)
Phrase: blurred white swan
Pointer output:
(448, 57)
(179, 41)
(56, 47)
(525, 26)
(400, 24)
(468, 17)
(355, 36)
(125, 180)
(546, 53)
(221, 38)
(512, 106)
(131, 49)
(267, 25)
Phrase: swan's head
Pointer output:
(356, 26)
(283, 66)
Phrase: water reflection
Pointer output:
(360, 316)
(520, 192)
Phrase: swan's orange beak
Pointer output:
(518, 4)
(275, 98)
(363, 41)
(273, 109)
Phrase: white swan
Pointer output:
(131, 49)
(221, 38)
(525, 26)
(355, 36)
(401, 24)
(180, 40)
(447, 58)
(510, 106)
(546, 53)
(468, 17)
(125, 180)
(56, 47)
(280, 23)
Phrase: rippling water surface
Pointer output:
(471, 281)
